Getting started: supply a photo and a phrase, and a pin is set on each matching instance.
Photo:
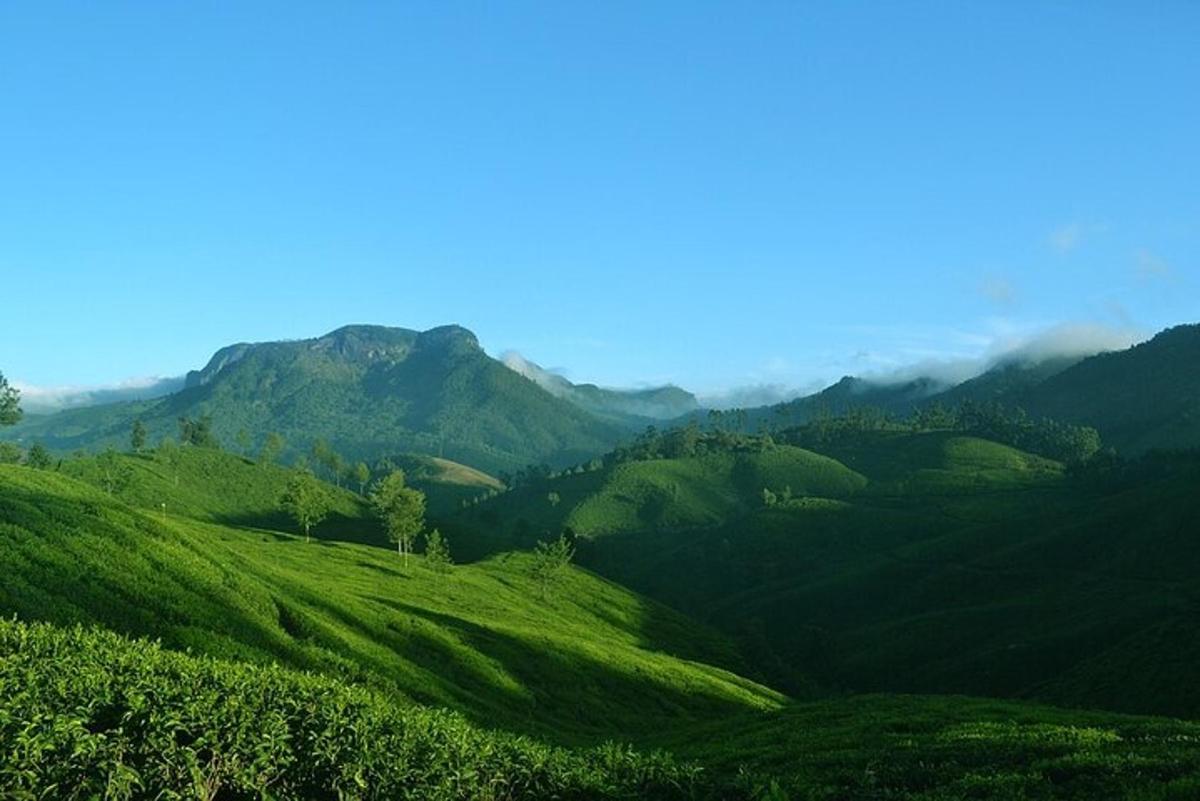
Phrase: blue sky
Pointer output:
(718, 195)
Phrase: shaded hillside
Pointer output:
(947, 563)
(921, 748)
(1138, 399)
(369, 391)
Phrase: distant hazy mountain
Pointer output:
(36, 400)
(369, 390)
(1008, 381)
(655, 403)
(1139, 398)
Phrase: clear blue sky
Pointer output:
(712, 194)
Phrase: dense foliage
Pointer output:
(87, 714)
(10, 403)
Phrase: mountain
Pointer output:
(1139, 399)
(369, 391)
(1007, 382)
(630, 406)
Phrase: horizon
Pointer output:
(632, 197)
(1069, 341)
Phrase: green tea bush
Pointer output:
(89, 714)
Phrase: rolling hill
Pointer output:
(899, 561)
(589, 659)
(330, 670)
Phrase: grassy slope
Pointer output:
(962, 566)
(591, 660)
(446, 483)
(220, 487)
(921, 748)
(661, 494)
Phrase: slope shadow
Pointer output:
(337, 527)
(565, 697)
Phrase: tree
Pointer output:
(305, 500)
(38, 457)
(324, 455)
(550, 561)
(337, 466)
(362, 474)
(554, 498)
(168, 453)
(272, 447)
(115, 472)
(197, 432)
(10, 453)
(437, 552)
(244, 441)
(402, 510)
(137, 436)
(10, 403)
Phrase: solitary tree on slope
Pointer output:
(305, 500)
(402, 510)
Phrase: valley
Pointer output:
(863, 604)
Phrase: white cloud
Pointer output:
(1009, 344)
(1149, 266)
(1066, 238)
(999, 290)
(42, 400)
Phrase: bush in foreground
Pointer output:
(90, 714)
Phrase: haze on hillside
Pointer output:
(553, 401)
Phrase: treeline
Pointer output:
(1071, 444)
(1053, 439)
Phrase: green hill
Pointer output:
(639, 495)
(370, 391)
(932, 562)
(950, 748)
(381, 645)
(590, 659)
(446, 484)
